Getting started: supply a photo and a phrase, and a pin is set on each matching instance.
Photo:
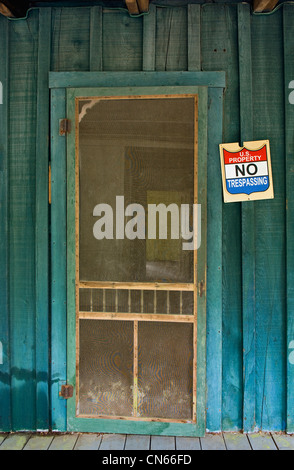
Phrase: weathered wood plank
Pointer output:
(70, 39)
(188, 443)
(143, 5)
(132, 7)
(96, 39)
(284, 441)
(248, 221)
(5, 390)
(22, 200)
(88, 442)
(163, 443)
(236, 441)
(2, 437)
(109, 79)
(64, 442)
(171, 39)
(122, 41)
(137, 442)
(39, 442)
(213, 442)
(288, 24)
(58, 262)
(149, 39)
(15, 442)
(214, 264)
(270, 245)
(42, 230)
(224, 332)
(264, 5)
(113, 442)
(261, 441)
(194, 47)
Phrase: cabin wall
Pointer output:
(250, 296)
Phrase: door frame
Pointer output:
(62, 283)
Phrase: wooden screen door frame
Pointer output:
(63, 151)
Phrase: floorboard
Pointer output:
(163, 443)
(236, 441)
(39, 443)
(213, 442)
(64, 442)
(188, 443)
(284, 441)
(88, 442)
(135, 442)
(113, 442)
(15, 442)
(261, 441)
(109, 442)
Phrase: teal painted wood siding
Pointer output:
(250, 300)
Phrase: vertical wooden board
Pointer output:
(149, 39)
(42, 220)
(268, 112)
(201, 274)
(58, 260)
(214, 265)
(194, 43)
(70, 39)
(5, 402)
(96, 38)
(224, 349)
(122, 41)
(288, 24)
(23, 98)
(171, 39)
(248, 222)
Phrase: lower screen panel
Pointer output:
(139, 373)
(165, 370)
(106, 368)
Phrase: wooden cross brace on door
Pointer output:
(137, 6)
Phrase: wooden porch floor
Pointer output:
(112, 442)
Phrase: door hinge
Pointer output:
(66, 391)
(64, 126)
(201, 288)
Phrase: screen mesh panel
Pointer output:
(165, 370)
(135, 151)
(142, 150)
(106, 368)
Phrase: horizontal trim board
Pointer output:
(115, 79)
(138, 286)
(161, 317)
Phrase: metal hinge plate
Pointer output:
(66, 391)
(64, 126)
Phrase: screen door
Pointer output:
(135, 256)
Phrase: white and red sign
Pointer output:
(246, 171)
